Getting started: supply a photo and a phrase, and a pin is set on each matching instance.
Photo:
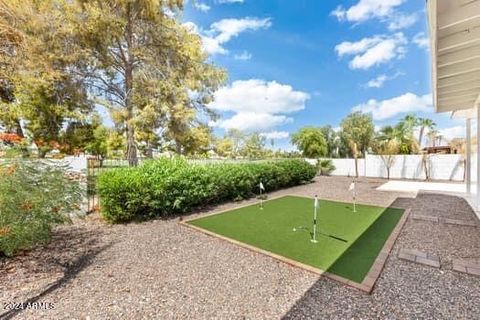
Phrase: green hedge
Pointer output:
(167, 187)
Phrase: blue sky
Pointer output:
(310, 63)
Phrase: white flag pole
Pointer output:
(315, 206)
(260, 186)
(354, 197)
(354, 204)
(354, 194)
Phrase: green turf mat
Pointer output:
(348, 242)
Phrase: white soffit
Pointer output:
(465, 114)
(455, 48)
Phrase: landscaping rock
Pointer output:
(163, 270)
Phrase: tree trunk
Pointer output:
(356, 166)
(149, 151)
(42, 153)
(355, 156)
(18, 129)
(426, 167)
(131, 146)
(19, 132)
(178, 148)
(420, 136)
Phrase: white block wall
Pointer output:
(442, 167)
(404, 167)
(449, 167)
(345, 167)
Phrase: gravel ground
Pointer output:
(162, 270)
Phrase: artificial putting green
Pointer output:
(348, 242)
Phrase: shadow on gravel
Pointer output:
(70, 251)
(441, 204)
(403, 203)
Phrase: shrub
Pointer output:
(166, 187)
(10, 138)
(325, 167)
(34, 196)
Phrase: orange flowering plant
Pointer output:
(10, 138)
(34, 196)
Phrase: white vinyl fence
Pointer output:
(449, 167)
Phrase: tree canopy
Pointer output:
(59, 58)
(358, 129)
(311, 142)
(37, 60)
(148, 69)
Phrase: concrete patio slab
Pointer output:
(416, 186)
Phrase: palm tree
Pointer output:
(432, 137)
(424, 123)
(409, 123)
(440, 138)
(386, 134)
(402, 134)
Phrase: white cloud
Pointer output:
(367, 9)
(350, 48)
(389, 108)
(253, 121)
(192, 27)
(421, 40)
(224, 30)
(203, 7)
(376, 50)
(382, 10)
(229, 28)
(452, 132)
(380, 80)
(377, 82)
(339, 13)
(277, 135)
(402, 21)
(256, 95)
(245, 55)
(212, 46)
(258, 105)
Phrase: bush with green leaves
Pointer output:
(34, 196)
(166, 187)
(325, 167)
